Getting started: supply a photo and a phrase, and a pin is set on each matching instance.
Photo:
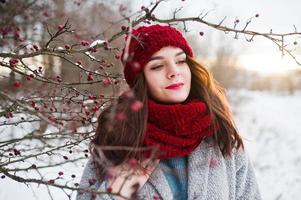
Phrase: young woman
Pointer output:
(172, 136)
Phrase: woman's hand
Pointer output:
(127, 180)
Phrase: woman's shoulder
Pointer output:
(88, 178)
(238, 157)
(89, 167)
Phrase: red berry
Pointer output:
(35, 47)
(13, 62)
(17, 84)
(46, 14)
(136, 67)
(136, 105)
(90, 77)
(65, 157)
(133, 162)
(51, 181)
(84, 43)
(60, 27)
(106, 82)
(92, 49)
(257, 15)
(123, 28)
(117, 57)
(201, 33)
(67, 46)
(33, 104)
(95, 108)
(92, 181)
(109, 189)
(52, 118)
(58, 78)
(17, 152)
(9, 115)
(61, 173)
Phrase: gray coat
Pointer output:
(210, 177)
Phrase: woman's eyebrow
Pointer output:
(180, 53)
(161, 57)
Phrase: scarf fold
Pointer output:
(177, 129)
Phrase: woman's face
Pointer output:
(168, 75)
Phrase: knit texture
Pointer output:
(210, 177)
(175, 171)
(145, 41)
(177, 129)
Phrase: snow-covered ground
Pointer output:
(271, 127)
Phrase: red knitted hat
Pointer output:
(147, 40)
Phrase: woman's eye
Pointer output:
(181, 62)
(156, 67)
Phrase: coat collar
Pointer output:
(156, 184)
(197, 179)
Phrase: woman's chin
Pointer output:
(174, 99)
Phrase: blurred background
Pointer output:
(263, 86)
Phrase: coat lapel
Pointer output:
(198, 170)
(156, 184)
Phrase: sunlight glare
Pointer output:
(268, 63)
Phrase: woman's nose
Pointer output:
(173, 70)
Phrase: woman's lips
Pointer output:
(174, 86)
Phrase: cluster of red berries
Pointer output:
(13, 62)
(84, 43)
(13, 31)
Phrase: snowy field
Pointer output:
(271, 126)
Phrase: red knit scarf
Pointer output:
(177, 129)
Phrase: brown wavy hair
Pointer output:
(124, 138)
